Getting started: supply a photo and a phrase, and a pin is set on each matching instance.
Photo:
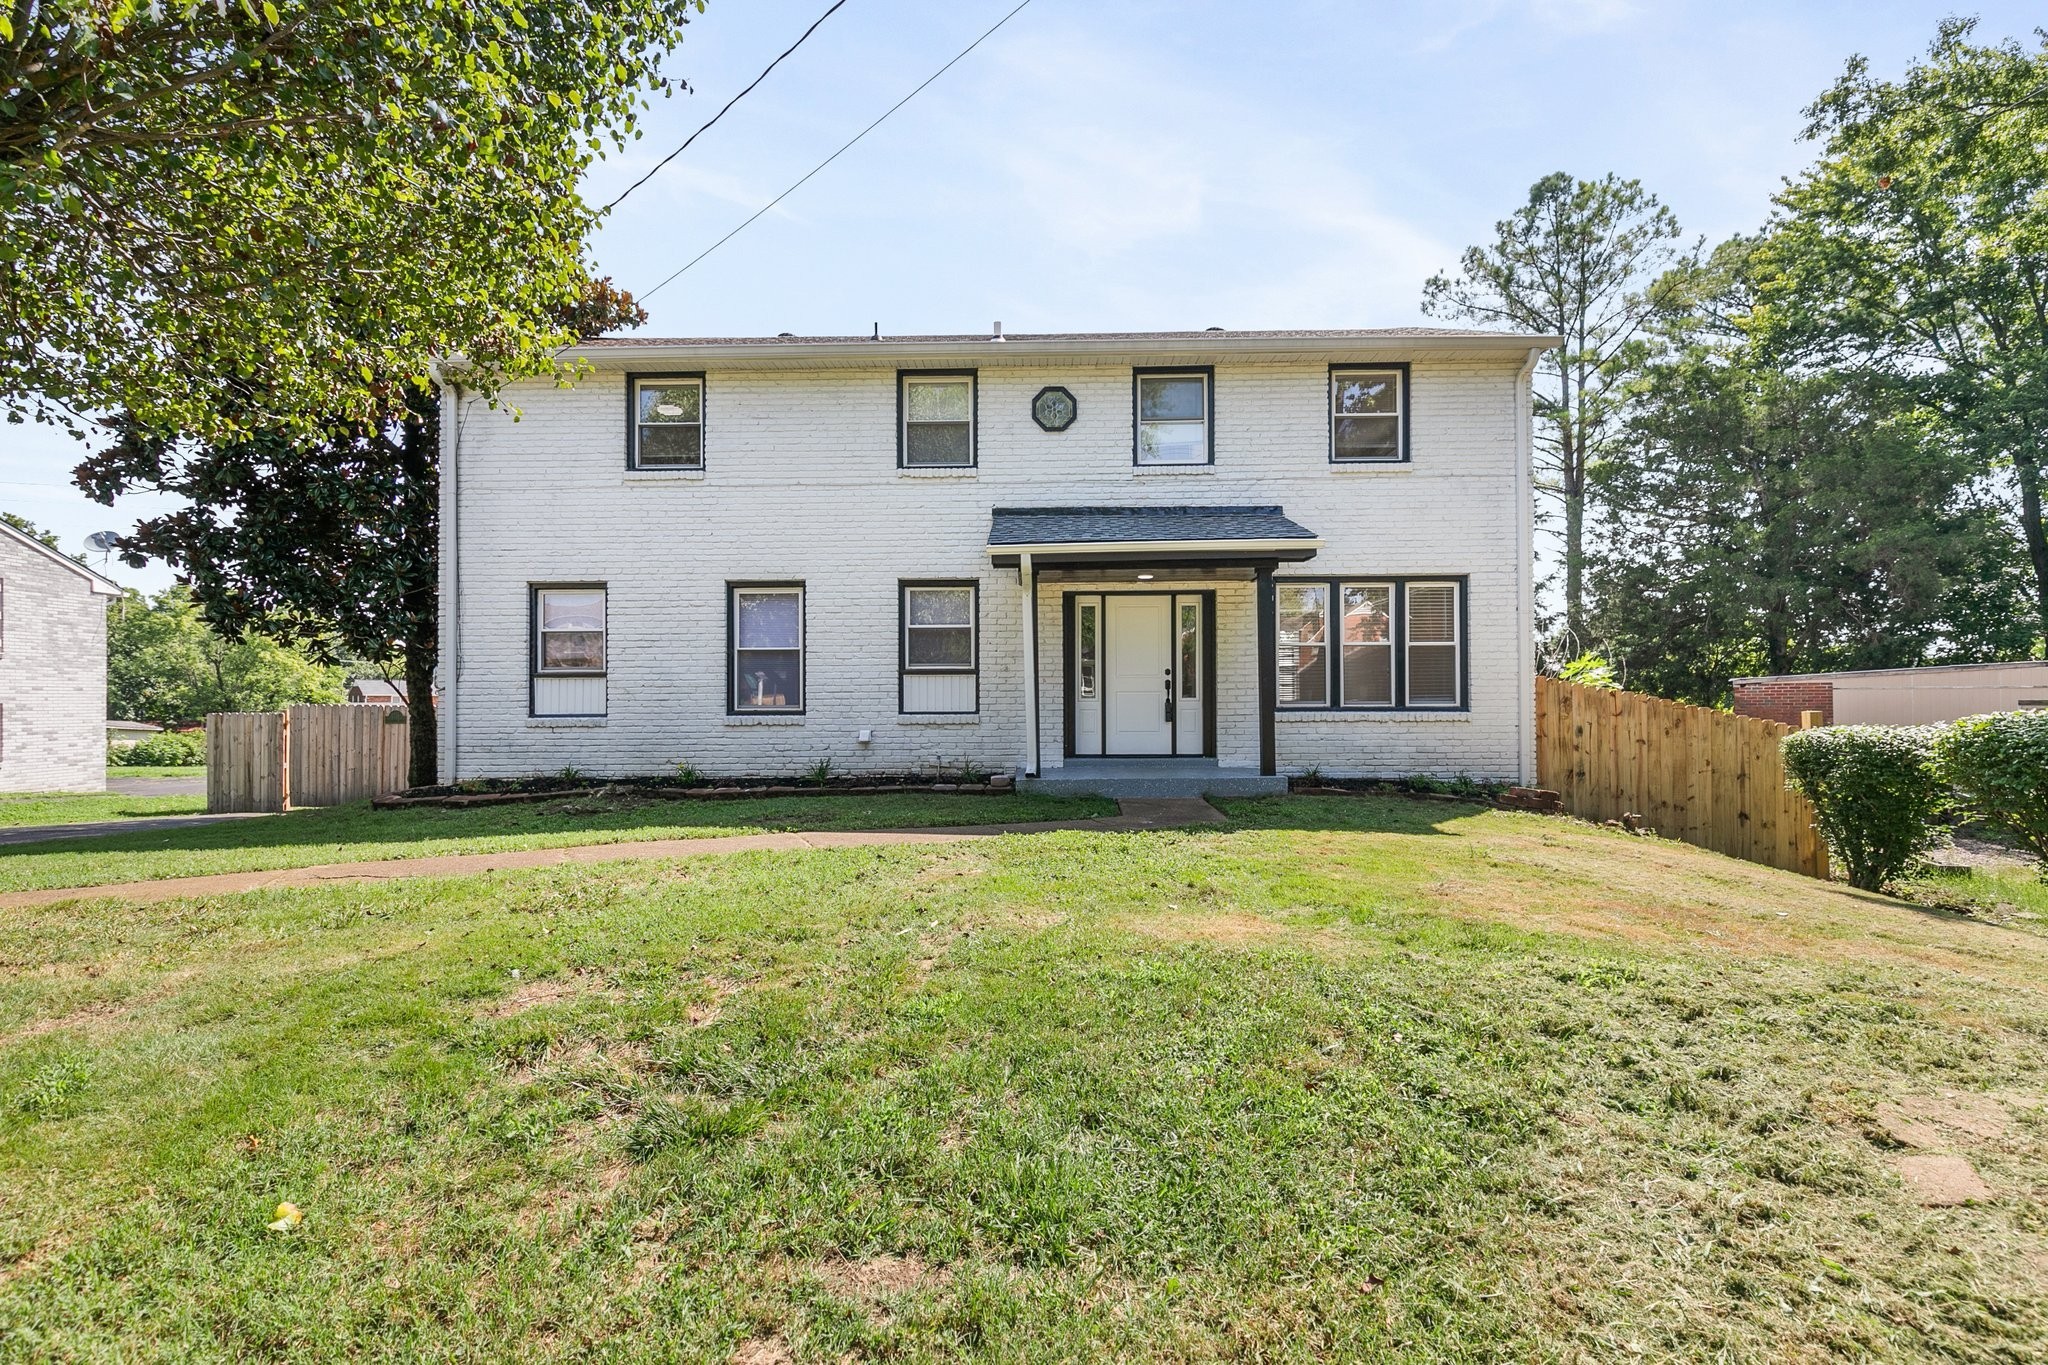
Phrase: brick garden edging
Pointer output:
(1001, 785)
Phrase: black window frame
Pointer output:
(1207, 373)
(1333, 662)
(973, 378)
(904, 669)
(634, 379)
(534, 671)
(1402, 367)
(733, 589)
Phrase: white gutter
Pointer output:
(451, 581)
(1019, 350)
(1525, 546)
(1144, 547)
(1028, 580)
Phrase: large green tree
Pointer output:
(326, 540)
(304, 200)
(166, 664)
(1918, 246)
(1769, 522)
(1580, 260)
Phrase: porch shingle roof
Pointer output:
(1139, 525)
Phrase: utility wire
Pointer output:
(722, 112)
(836, 155)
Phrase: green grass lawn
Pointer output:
(69, 808)
(356, 832)
(155, 772)
(1347, 1079)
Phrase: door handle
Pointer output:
(1169, 708)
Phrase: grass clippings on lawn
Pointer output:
(356, 833)
(1349, 1079)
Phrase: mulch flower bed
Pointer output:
(502, 791)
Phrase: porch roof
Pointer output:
(1122, 535)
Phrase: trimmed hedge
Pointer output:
(1999, 765)
(1875, 795)
(169, 749)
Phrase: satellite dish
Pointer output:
(106, 542)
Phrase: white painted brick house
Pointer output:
(1259, 552)
(53, 669)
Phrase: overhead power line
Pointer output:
(836, 155)
(721, 113)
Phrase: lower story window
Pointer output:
(940, 651)
(569, 644)
(1398, 643)
(767, 662)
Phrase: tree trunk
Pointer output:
(2028, 466)
(1575, 566)
(419, 709)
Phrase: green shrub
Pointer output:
(1999, 765)
(168, 749)
(1874, 792)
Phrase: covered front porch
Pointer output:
(1150, 637)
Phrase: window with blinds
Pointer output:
(1398, 644)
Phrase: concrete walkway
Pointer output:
(1131, 815)
(36, 834)
(157, 786)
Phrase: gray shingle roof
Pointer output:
(1128, 525)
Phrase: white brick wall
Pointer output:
(53, 675)
(801, 484)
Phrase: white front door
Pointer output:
(1139, 674)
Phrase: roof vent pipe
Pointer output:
(878, 333)
(999, 331)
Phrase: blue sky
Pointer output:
(1167, 164)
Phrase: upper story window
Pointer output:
(667, 429)
(1173, 417)
(1397, 643)
(1368, 413)
(936, 419)
(767, 647)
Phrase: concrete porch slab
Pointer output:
(1152, 777)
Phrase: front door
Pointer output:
(1138, 707)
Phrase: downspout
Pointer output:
(1027, 577)
(1525, 547)
(451, 579)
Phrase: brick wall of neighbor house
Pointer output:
(801, 483)
(53, 675)
(1782, 699)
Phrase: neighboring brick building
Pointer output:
(1784, 698)
(1896, 696)
(53, 668)
(751, 555)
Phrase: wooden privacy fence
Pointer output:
(304, 756)
(1707, 777)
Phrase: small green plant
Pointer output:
(571, 774)
(1590, 670)
(1999, 765)
(820, 773)
(170, 749)
(687, 772)
(692, 1122)
(970, 775)
(1875, 795)
(1312, 776)
(52, 1089)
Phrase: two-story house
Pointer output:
(1213, 557)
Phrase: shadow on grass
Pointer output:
(367, 831)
